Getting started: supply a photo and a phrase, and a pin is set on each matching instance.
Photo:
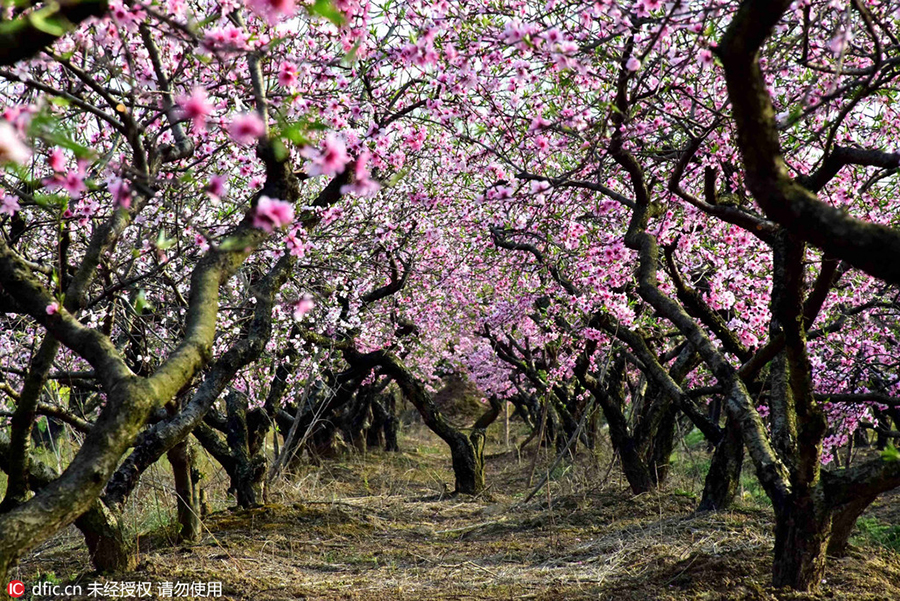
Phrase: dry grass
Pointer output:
(382, 527)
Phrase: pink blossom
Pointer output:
(839, 42)
(228, 37)
(272, 10)
(197, 108)
(57, 161)
(12, 150)
(9, 206)
(121, 193)
(287, 76)
(537, 124)
(554, 36)
(125, 16)
(246, 128)
(295, 246)
(216, 188)
(592, 334)
(633, 64)
(330, 160)
(272, 213)
(331, 215)
(362, 185)
(650, 5)
(515, 31)
(52, 308)
(303, 306)
(538, 187)
(72, 182)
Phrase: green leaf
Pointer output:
(163, 242)
(279, 150)
(51, 130)
(327, 10)
(11, 28)
(234, 243)
(351, 56)
(890, 453)
(51, 202)
(141, 303)
(47, 21)
(296, 134)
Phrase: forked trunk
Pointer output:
(249, 466)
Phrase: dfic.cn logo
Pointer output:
(16, 588)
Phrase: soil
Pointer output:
(382, 526)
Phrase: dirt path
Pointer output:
(404, 539)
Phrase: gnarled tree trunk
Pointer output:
(802, 531)
(110, 547)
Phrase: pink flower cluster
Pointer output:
(272, 213)
(330, 159)
(273, 11)
(247, 128)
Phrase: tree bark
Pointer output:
(468, 463)
(723, 478)
(802, 531)
(663, 444)
(843, 523)
(249, 469)
(186, 497)
(383, 432)
(110, 548)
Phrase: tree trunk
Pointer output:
(246, 471)
(322, 443)
(843, 523)
(391, 424)
(186, 496)
(375, 434)
(356, 420)
(109, 547)
(636, 472)
(634, 466)
(249, 471)
(724, 473)
(663, 445)
(802, 531)
(468, 463)
(383, 431)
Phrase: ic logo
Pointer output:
(16, 588)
